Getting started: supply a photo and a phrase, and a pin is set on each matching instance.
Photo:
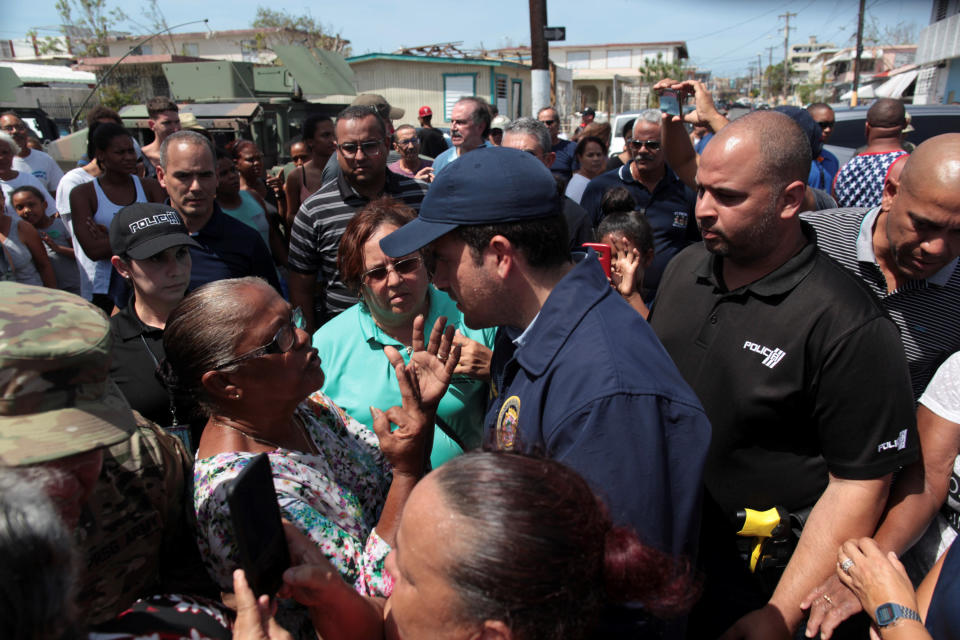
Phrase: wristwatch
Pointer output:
(890, 612)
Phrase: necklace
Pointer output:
(311, 448)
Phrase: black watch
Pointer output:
(890, 612)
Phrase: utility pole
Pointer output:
(856, 60)
(539, 57)
(786, 53)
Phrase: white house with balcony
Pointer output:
(607, 76)
(938, 56)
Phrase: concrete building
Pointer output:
(878, 65)
(35, 48)
(801, 54)
(938, 56)
(606, 77)
(412, 81)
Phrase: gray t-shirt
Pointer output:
(68, 276)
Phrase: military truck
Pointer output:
(241, 100)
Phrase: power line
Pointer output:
(739, 24)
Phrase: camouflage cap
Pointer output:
(56, 396)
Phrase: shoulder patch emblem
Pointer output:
(508, 423)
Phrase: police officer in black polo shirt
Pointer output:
(151, 251)
(803, 378)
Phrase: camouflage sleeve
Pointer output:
(167, 465)
(134, 514)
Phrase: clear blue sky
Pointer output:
(722, 35)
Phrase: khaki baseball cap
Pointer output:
(56, 396)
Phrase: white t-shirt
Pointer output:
(24, 179)
(43, 167)
(942, 397)
(576, 187)
(73, 178)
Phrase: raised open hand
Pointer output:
(406, 446)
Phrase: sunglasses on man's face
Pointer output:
(652, 145)
(370, 148)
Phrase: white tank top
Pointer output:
(95, 274)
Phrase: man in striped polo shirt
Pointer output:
(362, 146)
(906, 251)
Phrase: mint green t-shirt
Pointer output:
(358, 375)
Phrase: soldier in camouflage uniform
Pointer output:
(58, 406)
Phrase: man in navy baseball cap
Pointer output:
(577, 373)
(491, 186)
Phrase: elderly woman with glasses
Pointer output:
(393, 295)
(238, 349)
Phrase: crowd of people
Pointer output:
(508, 386)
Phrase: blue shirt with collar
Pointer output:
(230, 249)
(669, 209)
(590, 386)
(450, 156)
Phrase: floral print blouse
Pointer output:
(335, 498)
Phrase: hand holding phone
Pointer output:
(670, 102)
(257, 527)
(603, 251)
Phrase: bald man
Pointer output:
(860, 182)
(906, 251)
(786, 352)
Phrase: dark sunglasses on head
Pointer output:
(653, 145)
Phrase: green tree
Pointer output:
(654, 70)
(806, 92)
(303, 29)
(88, 24)
(116, 98)
(773, 80)
(47, 45)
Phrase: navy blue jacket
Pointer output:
(669, 209)
(231, 249)
(592, 387)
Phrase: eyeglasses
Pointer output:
(410, 142)
(404, 267)
(370, 148)
(827, 124)
(549, 123)
(283, 341)
(653, 145)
